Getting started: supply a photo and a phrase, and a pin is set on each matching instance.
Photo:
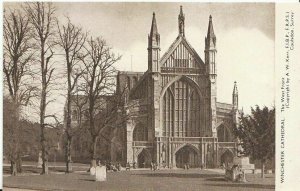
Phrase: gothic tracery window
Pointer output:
(140, 133)
(224, 134)
(181, 110)
(168, 114)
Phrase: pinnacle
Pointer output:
(153, 26)
(210, 31)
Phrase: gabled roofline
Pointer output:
(173, 46)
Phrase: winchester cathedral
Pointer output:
(174, 118)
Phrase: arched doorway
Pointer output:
(187, 155)
(144, 159)
(227, 158)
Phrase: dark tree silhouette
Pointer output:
(257, 134)
(17, 57)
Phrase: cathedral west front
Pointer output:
(174, 116)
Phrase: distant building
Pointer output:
(81, 139)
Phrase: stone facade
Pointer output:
(175, 118)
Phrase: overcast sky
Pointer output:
(245, 39)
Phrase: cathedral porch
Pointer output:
(206, 152)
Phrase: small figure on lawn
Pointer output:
(127, 166)
(118, 166)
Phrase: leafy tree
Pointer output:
(257, 134)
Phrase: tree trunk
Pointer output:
(18, 159)
(19, 164)
(94, 152)
(45, 167)
(44, 152)
(262, 169)
(68, 125)
(43, 109)
(93, 163)
(68, 156)
(13, 168)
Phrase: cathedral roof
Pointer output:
(225, 107)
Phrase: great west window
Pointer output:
(181, 110)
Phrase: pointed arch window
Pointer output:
(140, 133)
(224, 134)
(181, 110)
(168, 113)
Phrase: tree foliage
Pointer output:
(256, 133)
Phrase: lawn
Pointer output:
(141, 180)
(59, 167)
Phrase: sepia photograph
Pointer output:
(138, 96)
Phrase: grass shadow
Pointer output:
(89, 180)
(219, 179)
(178, 175)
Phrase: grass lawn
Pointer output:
(141, 180)
(30, 168)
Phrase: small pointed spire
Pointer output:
(154, 37)
(210, 31)
(181, 22)
(235, 97)
(153, 30)
(235, 90)
(181, 12)
(211, 37)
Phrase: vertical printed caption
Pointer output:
(285, 86)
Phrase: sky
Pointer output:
(245, 40)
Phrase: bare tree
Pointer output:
(41, 16)
(18, 56)
(71, 40)
(98, 82)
